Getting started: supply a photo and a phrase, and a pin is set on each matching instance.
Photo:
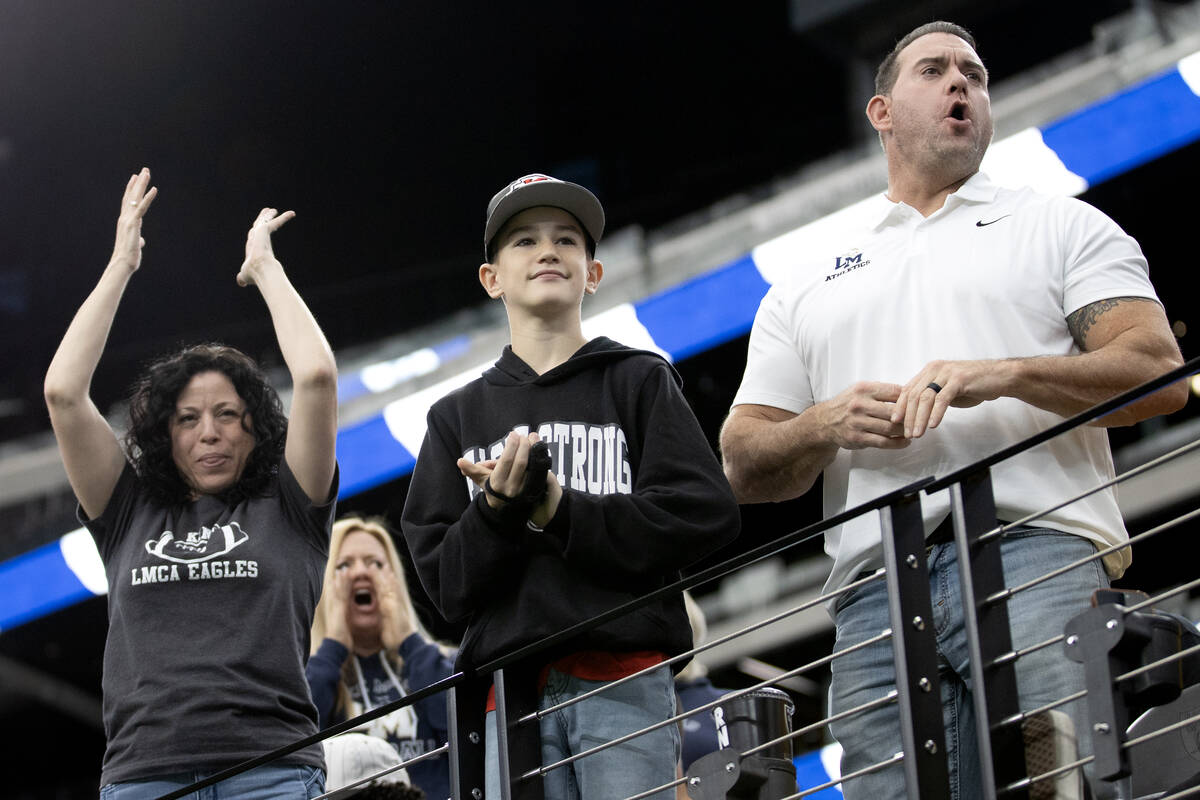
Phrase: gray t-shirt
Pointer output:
(209, 612)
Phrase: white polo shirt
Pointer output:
(993, 274)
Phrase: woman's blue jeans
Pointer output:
(268, 782)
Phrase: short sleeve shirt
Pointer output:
(210, 607)
(993, 274)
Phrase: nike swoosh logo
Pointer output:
(981, 223)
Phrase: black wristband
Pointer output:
(487, 487)
(533, 490)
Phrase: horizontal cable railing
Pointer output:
(908, 630)
(1083, 417)
(364, 781)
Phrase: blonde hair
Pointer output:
(341, 529)
(377, 529)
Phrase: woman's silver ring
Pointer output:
(133, 202)
(931, 385)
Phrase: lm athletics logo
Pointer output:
(848, 262)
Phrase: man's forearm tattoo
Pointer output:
(1081, 321)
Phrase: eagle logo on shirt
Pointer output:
(201, 545)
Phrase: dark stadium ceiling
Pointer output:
(386, 126)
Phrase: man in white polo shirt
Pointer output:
(958, 318)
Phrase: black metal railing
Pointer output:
(1105, 640)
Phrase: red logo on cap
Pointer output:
(528, 179)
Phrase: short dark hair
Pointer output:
(885, 76)
(152, 403)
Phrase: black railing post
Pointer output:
(465, 715)
(981, 574)
(1107, 642)
(922, 731)
(520, 746)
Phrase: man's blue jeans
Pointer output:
(1044, 676)
(622, 771)
(268, 782)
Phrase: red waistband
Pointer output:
(593, 665)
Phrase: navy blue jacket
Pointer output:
(423, 663)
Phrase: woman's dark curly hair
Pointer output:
(152, 403)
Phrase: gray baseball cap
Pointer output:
(530, 191)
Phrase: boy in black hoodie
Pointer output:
(633, 494)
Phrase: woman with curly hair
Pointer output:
(213, 527)
(369, 649)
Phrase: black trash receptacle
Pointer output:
(744, 723)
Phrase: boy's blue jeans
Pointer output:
(1042, 676)
(268, 782)
(622, 771)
